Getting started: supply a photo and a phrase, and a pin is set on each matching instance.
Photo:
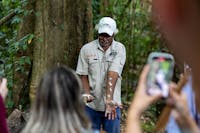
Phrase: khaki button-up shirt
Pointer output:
(95, 62)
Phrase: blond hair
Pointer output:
(58, 107)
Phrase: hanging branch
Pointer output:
(7, 18)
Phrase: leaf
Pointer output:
(16, 20)
(29, 41)
(28, 60)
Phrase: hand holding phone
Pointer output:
(160, 73)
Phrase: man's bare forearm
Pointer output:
(110, 85)
(85, 82)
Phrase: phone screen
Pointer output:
(159, 76)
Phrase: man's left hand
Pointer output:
(111, 110)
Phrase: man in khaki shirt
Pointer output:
(100, 65)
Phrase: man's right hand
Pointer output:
(87, 98)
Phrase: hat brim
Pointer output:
(105, 29)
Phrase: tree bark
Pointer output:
(104, 5)
(61, 28)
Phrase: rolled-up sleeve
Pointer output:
(82, 66)
(118, 61)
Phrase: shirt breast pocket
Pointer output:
(109, 60)
(93, 65)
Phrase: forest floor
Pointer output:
(147, 120)
(123, 127)
(147, 125)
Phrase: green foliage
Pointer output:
(9, 56)
(10, 45)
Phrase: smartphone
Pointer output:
(160, 73)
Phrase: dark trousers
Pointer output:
(98, 119)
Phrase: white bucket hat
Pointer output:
(107, 25)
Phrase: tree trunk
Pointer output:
(61, 28)
(78, 19)
(88, 26)
(104, 6)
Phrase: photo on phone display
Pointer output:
(160, 73)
